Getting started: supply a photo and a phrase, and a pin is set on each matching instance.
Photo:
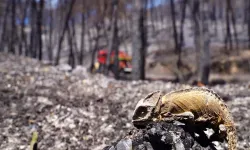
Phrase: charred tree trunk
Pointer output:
(113, 42)
(71, 58)
(175, 34)
(213, 16)
(116, 41)
(63, 32)
(205, 43)
(74, 42)
(106, 26)
(139, 41)
(13, 35)
(23, 36)
(33, 35)
(184, 5)
(195, 5)
(234, 24)
(4, 27)
(50, 51)
(201, 12)
(180, 41)
(94, 50)
(39, 29)
(228, 37)
(82, 37)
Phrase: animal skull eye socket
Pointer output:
(141, 112)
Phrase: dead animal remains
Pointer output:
(200, 108)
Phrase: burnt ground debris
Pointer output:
(162, 135)
(75, 110)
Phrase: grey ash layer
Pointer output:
(77, 111)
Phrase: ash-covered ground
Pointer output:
(75, 110)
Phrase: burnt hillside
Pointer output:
(75, 110)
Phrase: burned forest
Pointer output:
(124, 74)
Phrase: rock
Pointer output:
(44, 100)
(158, 136)
(64, 67)
(80, 71)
